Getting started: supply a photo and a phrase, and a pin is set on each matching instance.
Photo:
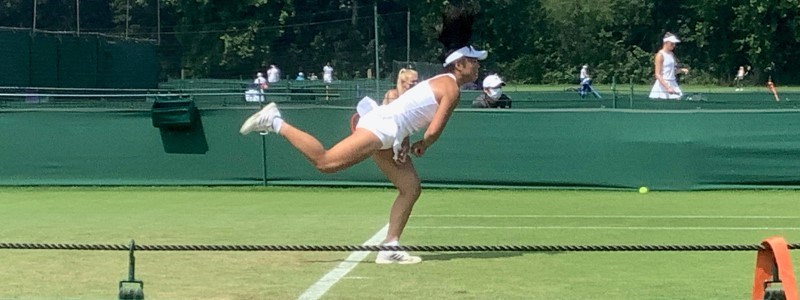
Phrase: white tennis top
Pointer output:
(668, 66)
(414, 109)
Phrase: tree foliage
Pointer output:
(539, 41)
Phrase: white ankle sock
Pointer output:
(276, 124)
(392, 243)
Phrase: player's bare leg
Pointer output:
(351, 150)
(404, 177)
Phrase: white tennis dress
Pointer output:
(668, 73)
(411, 112)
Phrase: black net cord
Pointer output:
(422, 248)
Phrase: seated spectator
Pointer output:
(254, 93)
(492, 96)
(260, 81)
(300, 76)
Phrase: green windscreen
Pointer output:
(128, 64)
(77, 62)
(14, 58)
(663, 150)
(44, 61)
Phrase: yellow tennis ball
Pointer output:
(643, 190)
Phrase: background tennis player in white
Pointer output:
(666, 85)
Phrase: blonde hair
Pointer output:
(404, 76)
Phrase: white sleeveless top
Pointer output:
(668, 73)
(414, 109)
(667, 66)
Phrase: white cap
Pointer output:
(301, 73)
(585, 66)
(672, 39)
(466, 51)
(493, 81)
(259, 74)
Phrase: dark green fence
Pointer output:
(76, 61)
(14, 58)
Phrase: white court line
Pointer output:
(319, 288)
(603, 228)
(606, 216)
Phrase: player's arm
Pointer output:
(659, 61)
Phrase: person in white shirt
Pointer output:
(260, 81)
(585, 82)
(273, 74)
(740, 74)
(255, 91)
(584, 73)
(666, 85)
(383, 132)
(327, 73)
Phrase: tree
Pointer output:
(225, 38)
(768, 33)
(542, 41)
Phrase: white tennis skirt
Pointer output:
(658, 91)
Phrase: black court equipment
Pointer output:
(774, 293)
(131, 289)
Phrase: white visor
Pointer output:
(466, 51)
(672, 39)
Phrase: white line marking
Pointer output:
(603, 228)
(319, 288)
(605, 217)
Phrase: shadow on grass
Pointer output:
(445, 256)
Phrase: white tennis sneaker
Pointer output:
(262, 120)
(396, 257)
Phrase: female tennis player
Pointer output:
(382, 131)
(665, 70)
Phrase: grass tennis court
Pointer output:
(339, 216)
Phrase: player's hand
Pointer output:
(402, 155)
(419, 148)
